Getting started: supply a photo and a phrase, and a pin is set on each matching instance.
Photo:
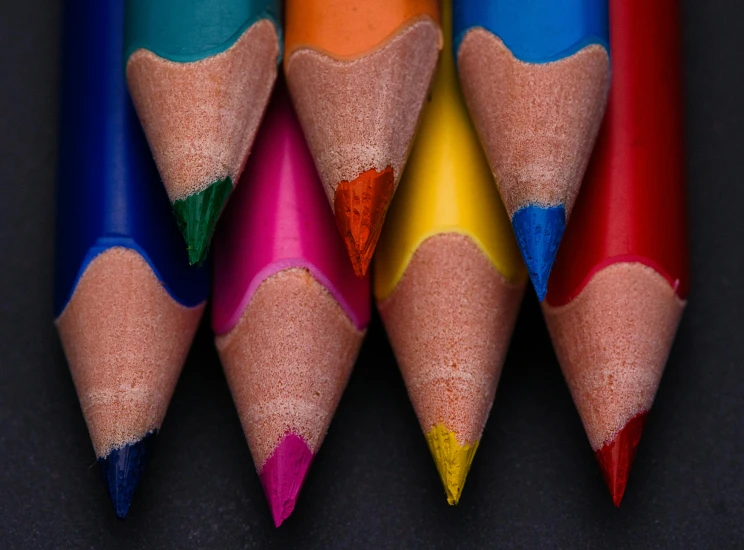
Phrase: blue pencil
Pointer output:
(126, 302)
(535, 75)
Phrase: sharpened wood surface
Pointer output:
(200, 118)
(450, 320)
(613, 341)
(537, 122)
(361, 114)
(126, 341)
(287, 361)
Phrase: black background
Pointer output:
(534, 482)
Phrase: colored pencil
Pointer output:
(288, 311)
(617, 292)
(358, 73)
(535, 76)
(200, 73)
(449, 278)
(126, 302)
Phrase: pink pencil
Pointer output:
(288, 311)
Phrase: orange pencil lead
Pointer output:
(360, 208)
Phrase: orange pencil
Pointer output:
(358, 73)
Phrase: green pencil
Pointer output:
(200, 73)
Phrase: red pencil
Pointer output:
(618, 287)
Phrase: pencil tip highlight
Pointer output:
(122, 469)
(360, 207)
(452, 459)
(616, 457)
(197, 217)
(539, 231)
(283, 475)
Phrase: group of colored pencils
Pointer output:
(374, 102)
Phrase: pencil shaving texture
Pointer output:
(200, 118)
(449, 321)
(126, 341)
(612, 342)
(537, 122)
(361, 115)
(287, 361)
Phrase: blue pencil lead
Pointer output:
(539, 231)
(122, 469)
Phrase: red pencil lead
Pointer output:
(616, 457)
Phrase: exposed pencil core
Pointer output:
(360, 208)
(452, 459)
(539, 232)
(616, 456)
(197, 217)
(283, 475)
(122, 469)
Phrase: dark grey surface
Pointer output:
(534, 482)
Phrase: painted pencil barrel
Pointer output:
(349, 29)
(191, 30)
(538, 31)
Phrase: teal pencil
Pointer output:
(200, 73)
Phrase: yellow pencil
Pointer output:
(449, 278)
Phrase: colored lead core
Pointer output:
(283, 475)
(616, 456)
(197, 217)
(452, 459)
(360, 208)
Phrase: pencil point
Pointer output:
(283, 475)
(122, 469)
(452, 459)
(360, 206)
(197, 217)
(539, 231)
(616, 457)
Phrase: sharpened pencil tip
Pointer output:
(452, 459)
(360, 207)
(616, 457)
(283, 475)
(122, 469)
(197, 217)
(539, 231)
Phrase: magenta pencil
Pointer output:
(288, 311)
